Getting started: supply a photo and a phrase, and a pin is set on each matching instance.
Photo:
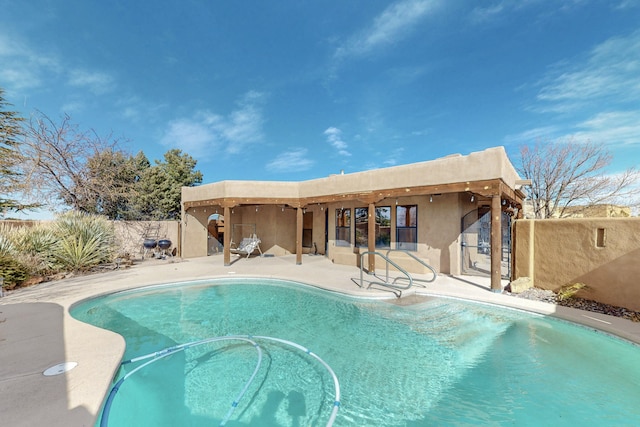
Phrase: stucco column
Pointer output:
(371, 236)
(299, 224)
(496, 244)
(227, 236)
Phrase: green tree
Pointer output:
(159, 191)
(10, 182)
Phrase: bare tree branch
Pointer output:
(56, 157)
(569, 176)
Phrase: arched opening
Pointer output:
(215, 234)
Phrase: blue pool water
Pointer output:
(439, 362)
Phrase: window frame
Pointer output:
(343, 227)
(410, 228)
(362, 241)
(380, 244)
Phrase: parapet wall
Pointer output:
(602, 253)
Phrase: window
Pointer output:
(343, 227)
(383, 227)
(407, 227)
(362, 227)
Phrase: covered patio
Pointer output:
(415, 208)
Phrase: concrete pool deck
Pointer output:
(37, 332)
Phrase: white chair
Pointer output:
(247, 246)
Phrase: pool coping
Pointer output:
(37, 332)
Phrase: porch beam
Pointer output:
(299, 224)
(227, 236)
(371, 236)
(496, 243)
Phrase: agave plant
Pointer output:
(83, 240)
(7, 246)
(36, 246)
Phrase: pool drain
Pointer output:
(59, 369)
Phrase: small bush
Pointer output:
(13, 272)
(569, 291)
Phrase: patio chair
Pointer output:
(247, 246)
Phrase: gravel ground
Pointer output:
(580, 303)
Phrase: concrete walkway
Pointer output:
(37, 333)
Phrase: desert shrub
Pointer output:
(83, 241)
(7, 247)
(35, 246)
(569, 291)
(13, 272)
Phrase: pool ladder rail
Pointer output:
(394, 284)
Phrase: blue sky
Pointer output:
(296, 90)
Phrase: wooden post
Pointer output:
(371, 236)
(227, 236)
(496, 243)
(299, 224)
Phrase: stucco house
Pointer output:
(450, 212)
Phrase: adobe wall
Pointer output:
(602, 253)
(130, 234)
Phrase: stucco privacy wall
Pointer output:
(131, 234)
(602, 253)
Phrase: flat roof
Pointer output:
(484, 172)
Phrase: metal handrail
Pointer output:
(417, 259)
(386, 282)
(394, 284)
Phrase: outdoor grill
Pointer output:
(164, 245)
(149, 245)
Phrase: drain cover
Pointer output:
(60, 368)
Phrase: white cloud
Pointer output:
(96, 82)
(610, 72)
(192, 137)
(22, 67)
(392, 25)
(482, 14)
(616, 127)
(291, 161)
(599, 93)
(73, 106)
(25, 67)
(206, 134)
(543, 133)
(611, 128)
(334, 137)
(628, 4)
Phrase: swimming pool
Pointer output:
(439, 362)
